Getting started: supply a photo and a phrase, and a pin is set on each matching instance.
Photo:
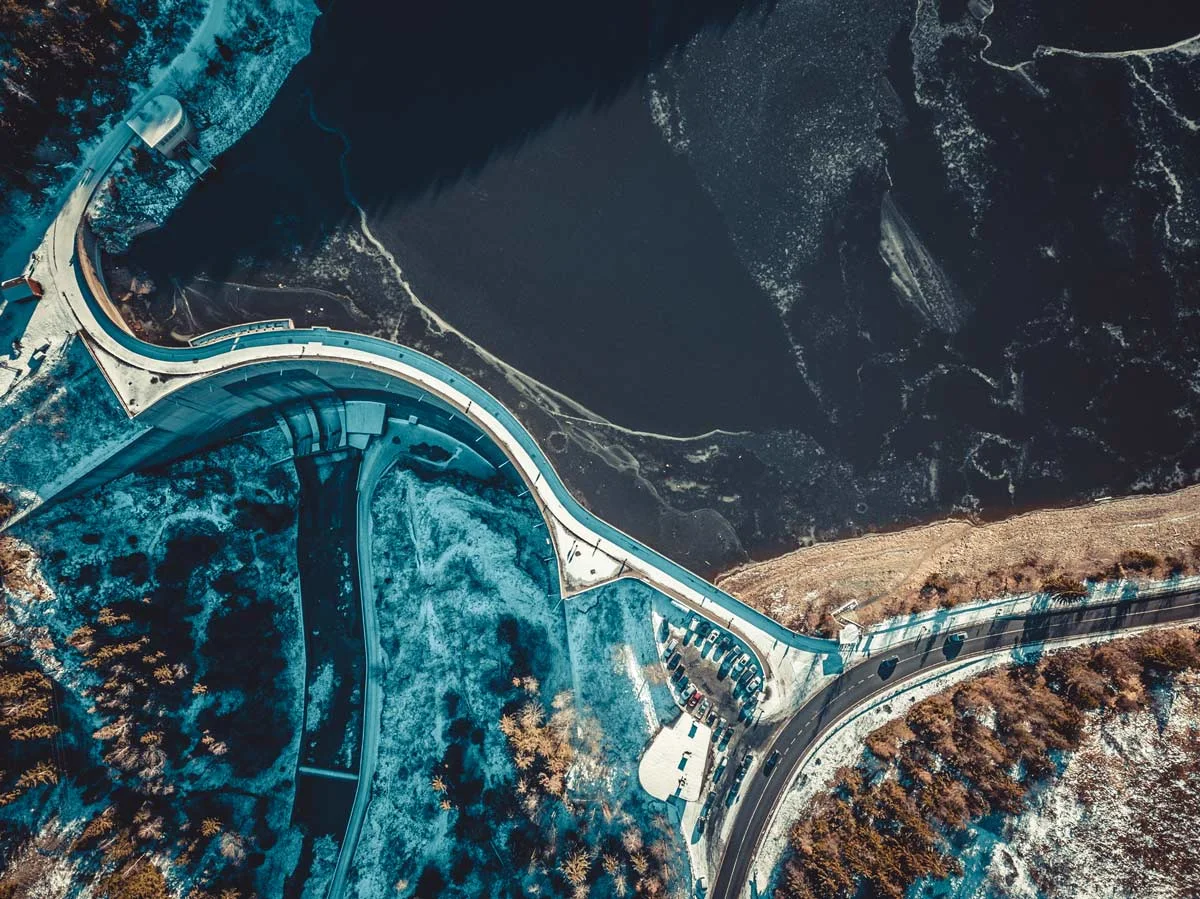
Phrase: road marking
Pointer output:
(1127, 612)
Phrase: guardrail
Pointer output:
(231, 331)
(271, 334)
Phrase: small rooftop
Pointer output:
(20, 289)
(156, 119)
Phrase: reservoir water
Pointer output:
(872, 277)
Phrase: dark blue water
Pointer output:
(508, 158)
(513, 169)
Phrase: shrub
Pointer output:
(937, 583)
(1139, 560)
(1064, 587)
(974, 750)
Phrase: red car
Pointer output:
(693, 699)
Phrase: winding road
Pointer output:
(851, 691)
(149, 379)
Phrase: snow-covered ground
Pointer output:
(1118, 821)
(845, 745)
(165, 37)
(467, 604)
(618, 684)
(451, 567)
(905, 629)
(58, 420)
(226, 87)
(226, 78)
(208, 544)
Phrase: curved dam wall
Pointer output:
(244, 391)
(235, 400)
(187, 397)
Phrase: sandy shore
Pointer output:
(955, 561)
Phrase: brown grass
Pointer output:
(951, 562)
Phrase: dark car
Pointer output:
(772, 761)
(888, 666)
(674, 661)
(954, 644)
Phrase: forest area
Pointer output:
(147, 748)
(66, 68)
(974, 750)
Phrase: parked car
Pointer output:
(747, 760)
(741, 663)
(713, 635)
(957, 637)
(772, 761)
(671, 647)
(724, 643)
(674, 661)
(677, 675)
(887, 666)
(702, 709)
(747, 673)
(684, 685)
(726, 736)
(693, 700)
(754, 684)
(712, 718)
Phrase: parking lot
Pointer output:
(715, 679)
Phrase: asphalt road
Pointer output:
(858, 684)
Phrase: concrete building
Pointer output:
(163, 125)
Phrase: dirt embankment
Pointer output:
(954, 561)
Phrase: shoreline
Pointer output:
(954, 560)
